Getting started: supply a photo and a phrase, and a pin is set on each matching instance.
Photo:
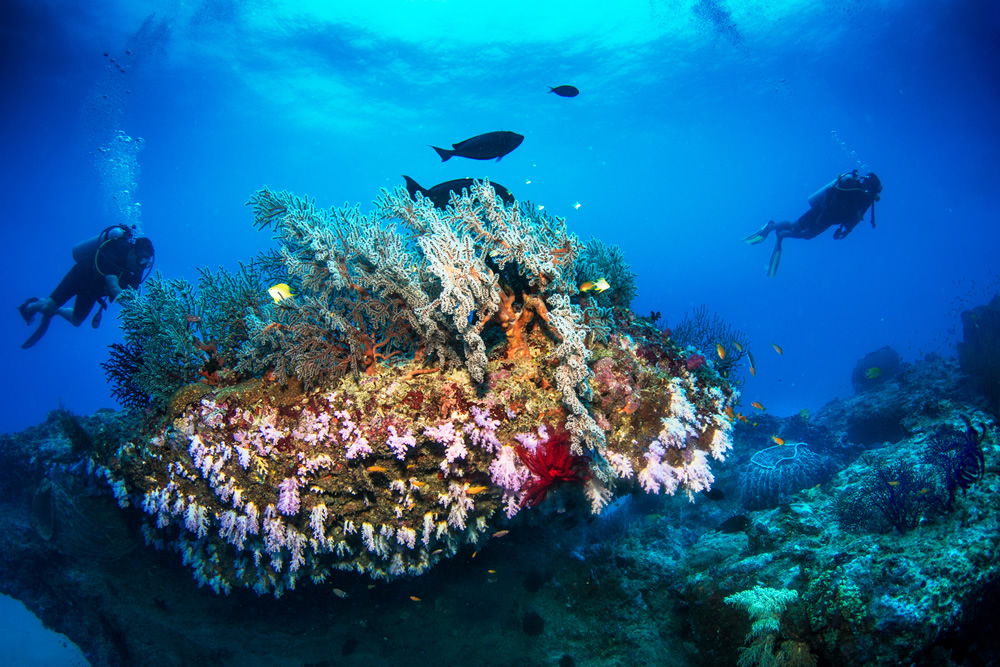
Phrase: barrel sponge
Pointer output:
(775, 473)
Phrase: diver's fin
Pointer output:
(43, 326)
(759, 235)
(772, 267)
(26, 314)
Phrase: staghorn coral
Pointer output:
(373, 422)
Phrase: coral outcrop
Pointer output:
(429, 374)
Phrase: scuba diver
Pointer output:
(105, 266)
(842, 202)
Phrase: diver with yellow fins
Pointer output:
(843, 201)
(105, 265)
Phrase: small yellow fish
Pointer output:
(721, 351)
(411, 466)
(739, 348)
(501, 533)
(758, 405)
(894, 483)
(376, 469)
(371, 586)
(873, 372)
(777, 348)
(280, 292)
(473, 490)
(598, 286)
(491, 571)
(415, 598)
(474, 554)
(339, 593)
(778, 440)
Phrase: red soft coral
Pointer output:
(551, 463)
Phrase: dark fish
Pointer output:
(736, 524)
(483, 146)
(441, 193)
(715, 493)
(565, 91)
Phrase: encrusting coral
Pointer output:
(433, 373)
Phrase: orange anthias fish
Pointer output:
(778, 440)
(777, 348)
(720, 350)
(729, 412)
(758, 405)
(739, 348)
(473, 490)
(376, 469)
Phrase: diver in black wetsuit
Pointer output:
(105, 266)
(842, 202)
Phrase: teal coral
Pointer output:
(176, 333)
(765, 607)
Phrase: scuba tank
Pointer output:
(84, 250)
(818, 198)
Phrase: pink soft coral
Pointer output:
(551, 463)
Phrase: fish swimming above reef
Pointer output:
(440, 194)
(565, 91)
(483, 146)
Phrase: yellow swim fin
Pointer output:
(760, 235)
(772, 267)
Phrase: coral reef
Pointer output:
(660, 569)
(434, 373)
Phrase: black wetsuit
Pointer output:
(844, 206)
(86, 279)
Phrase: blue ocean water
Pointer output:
(696, 123)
